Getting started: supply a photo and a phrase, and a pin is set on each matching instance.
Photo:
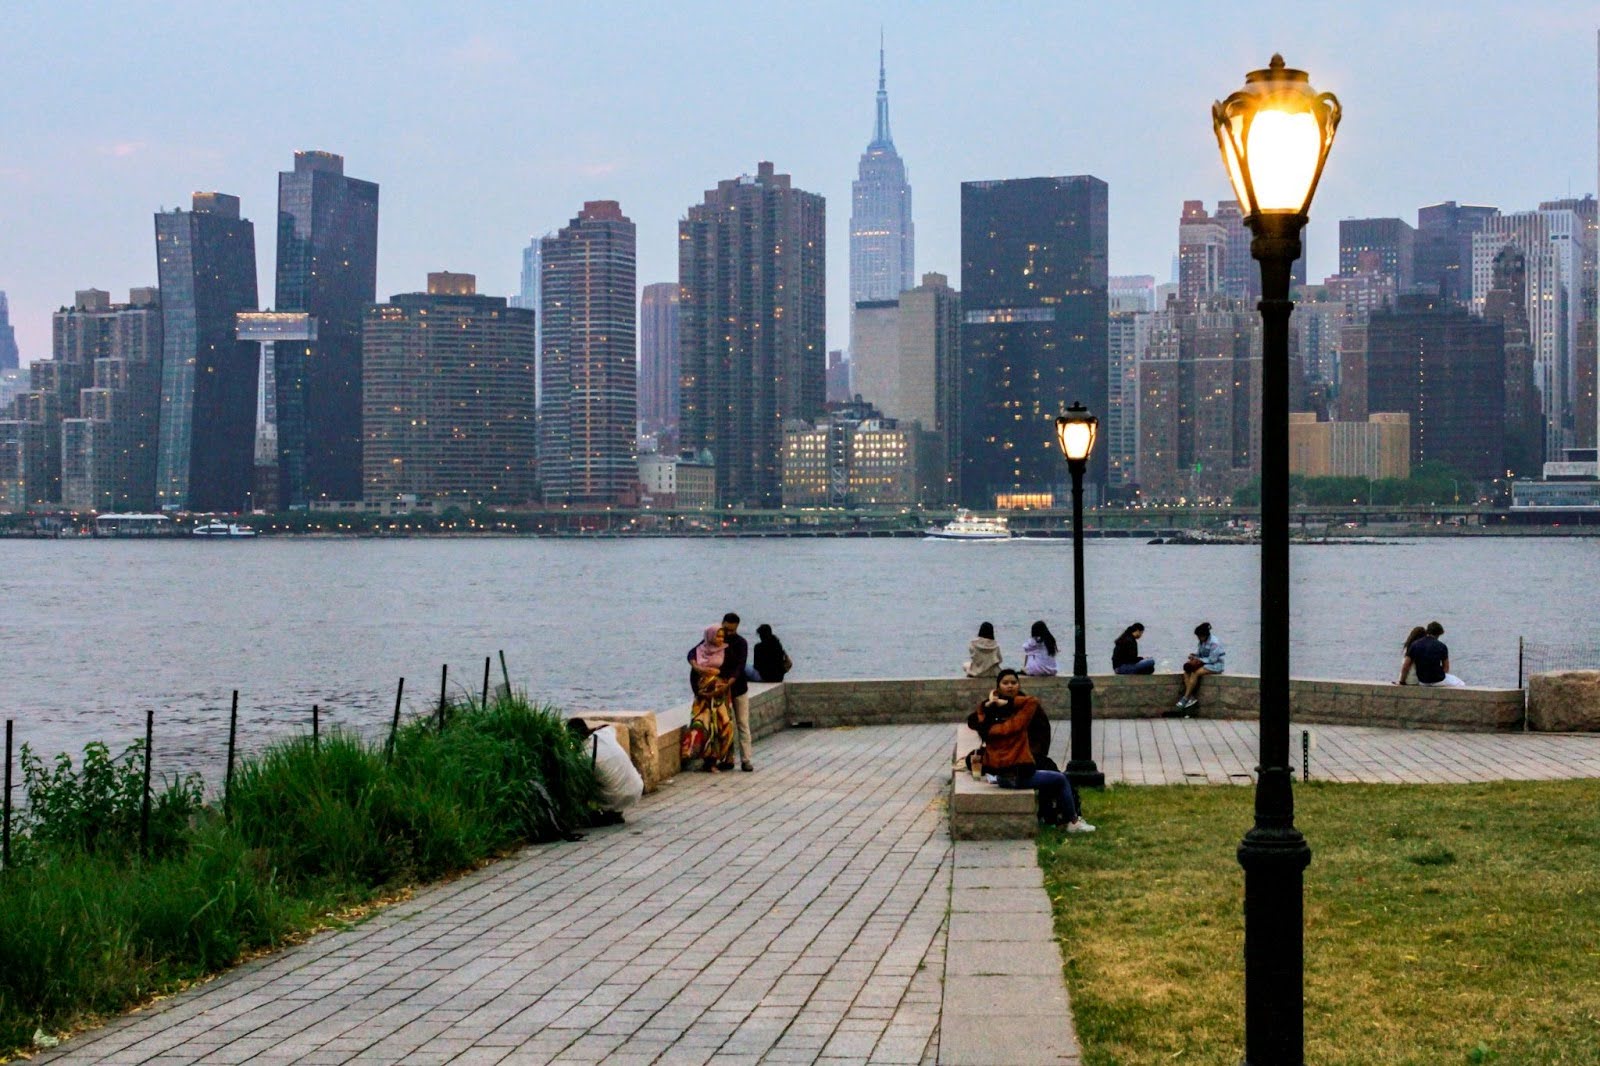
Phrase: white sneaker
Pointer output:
(1080, 826)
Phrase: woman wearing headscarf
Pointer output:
(709, 735)
(983, 653)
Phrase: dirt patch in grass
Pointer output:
(1444, 923)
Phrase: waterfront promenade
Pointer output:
(815, 911)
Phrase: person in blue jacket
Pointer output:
(1205, 659)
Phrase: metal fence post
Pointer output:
(144, 807)
(444, 688)
(394, 727)
(505, 673)
(316, 728)
(233, 734)
(483, 702)
(1305, 755)
(5, 835)
(1519, 661)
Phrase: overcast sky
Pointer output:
(485, 124)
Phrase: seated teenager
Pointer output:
(1003, 721)
(1431, 658)
(1207, 658)
(1125, 658)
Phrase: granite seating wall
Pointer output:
(914, 701)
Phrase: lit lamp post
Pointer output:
(1076, 431)
(1275, 134)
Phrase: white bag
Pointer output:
(619, 783)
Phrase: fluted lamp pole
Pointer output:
(1275, 134)
(1076, 431)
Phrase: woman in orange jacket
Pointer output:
(1002, 721)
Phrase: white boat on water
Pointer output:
(968, 526)
(223, 529)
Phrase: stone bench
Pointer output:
(983, 811)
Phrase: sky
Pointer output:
(485, 124)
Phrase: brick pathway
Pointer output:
(796, 915)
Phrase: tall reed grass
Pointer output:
(88, 927)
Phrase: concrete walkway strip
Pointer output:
(813, 912)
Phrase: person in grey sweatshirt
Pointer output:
(1205, 659)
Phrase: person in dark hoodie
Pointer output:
(770, 660)
(1005, 721)
(1125, 658)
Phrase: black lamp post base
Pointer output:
(1085, 774)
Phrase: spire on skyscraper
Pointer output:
(880, 136)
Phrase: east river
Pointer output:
(95, 632)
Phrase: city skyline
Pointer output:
(1408, 75)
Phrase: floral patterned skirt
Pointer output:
(710, 731)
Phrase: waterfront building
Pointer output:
(658, 364)
(1158, 346)
(857, 457)
(206, 263)
(1379, 447)
(528, 290)
(449, 408)
(1391, 240)
(10, 357)
(1314, 336)
(882, 237)
(1506, 303)
(82, 436)
(752, 327)
(1445, 368)
(1034, 322)
(1442, 257)
(327, 268)
(929, 357)
(293, 334)
(1202, 254)
(683, 482)
(589, 418)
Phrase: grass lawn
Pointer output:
(1444, 923)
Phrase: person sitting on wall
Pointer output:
(1039, 653)
(1416, 634)
(1125, 657)
(1004, 722)
(1205, 659)
(770, 661)
(1431, 658)
(983, 653)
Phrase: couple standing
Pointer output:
(721, 700)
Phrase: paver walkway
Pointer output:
(799, 914)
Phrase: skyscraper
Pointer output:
(589, 414)
(206, 261)
(1446, 368)
(752, 324)
(9, 356)
(1392, 239)
(108, 447)
(1033, 294)
(448, 397)
(882, 237)
(658, 364)
(1442, 260)
(1202, 254)
(327, 267)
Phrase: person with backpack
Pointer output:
(769, 659)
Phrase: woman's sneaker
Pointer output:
(1080, 826)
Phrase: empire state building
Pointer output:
(881, 235)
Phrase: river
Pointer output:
(95, 632)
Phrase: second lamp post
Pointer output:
(1076, 431)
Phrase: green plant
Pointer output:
(97, 806)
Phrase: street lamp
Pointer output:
(1076, 431)
(1275, 134)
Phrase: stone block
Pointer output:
(668, 763)
(982, 811)
(1565, 701)
(638, 730)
